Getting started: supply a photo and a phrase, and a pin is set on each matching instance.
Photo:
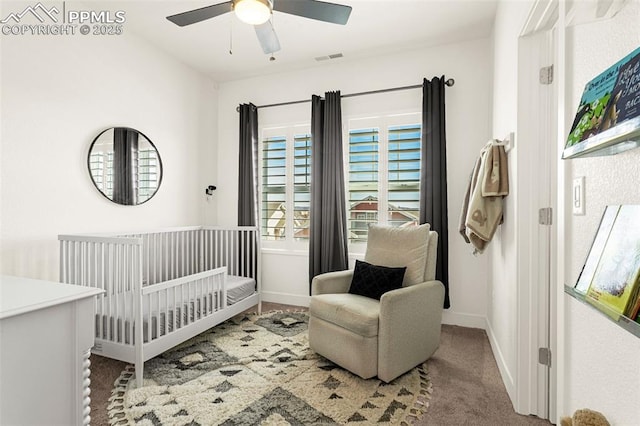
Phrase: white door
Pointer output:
(536, 198)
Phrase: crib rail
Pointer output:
(177, 303)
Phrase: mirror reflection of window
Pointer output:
(148, 174)
(125, 166)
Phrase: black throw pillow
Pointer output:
(373, 281)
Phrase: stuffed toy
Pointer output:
(585, 417)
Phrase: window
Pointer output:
(382, 177)
(383, 184)
(285, 183)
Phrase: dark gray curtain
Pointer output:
(328, 216)
(246, 170)
(125, 166)
(247, 190)
(433, 173)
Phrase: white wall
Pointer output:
(468, 117)
(602, 363)
(503, 289)
(58, 93)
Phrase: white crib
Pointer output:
(164, 287)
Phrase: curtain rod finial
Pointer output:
(450, 82)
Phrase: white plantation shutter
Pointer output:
(274, 188)
(362, 182)
(302, 185)
(404, 174)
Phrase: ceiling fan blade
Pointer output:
(313, 9)
(268, 38)
(202, 14)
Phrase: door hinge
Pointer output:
(545, 216)
(544, 356)
(546, 75)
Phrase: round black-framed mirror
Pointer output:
(125, 166)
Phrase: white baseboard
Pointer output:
(285, 298)
(463, 320)
(507, 378)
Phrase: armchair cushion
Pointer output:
(357, 314)
(393, 247)
(373, 281)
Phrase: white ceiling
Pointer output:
(375, 27)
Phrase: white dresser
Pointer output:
(46, 334)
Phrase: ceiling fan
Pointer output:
(258, 12)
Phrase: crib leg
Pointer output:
(260, 307)
(139, 373)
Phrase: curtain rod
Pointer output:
(450, 82)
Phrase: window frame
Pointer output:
(289, 131)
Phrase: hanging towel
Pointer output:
(473, 179)
(481, 214)
(495, 181)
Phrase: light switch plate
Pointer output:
(577, 199)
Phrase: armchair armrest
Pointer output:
(331, 282)
(409, 330)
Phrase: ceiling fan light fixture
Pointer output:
(253, 12)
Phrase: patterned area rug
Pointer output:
(258, 370)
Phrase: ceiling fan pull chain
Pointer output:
(272, 57)
(231, 35)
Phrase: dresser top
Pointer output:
(21, 295)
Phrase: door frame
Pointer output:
(540, 43)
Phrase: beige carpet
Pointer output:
(467, 389)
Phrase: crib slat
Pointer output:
(127, 317)
(110, 265)
(167, 256)
(117, 290)
(158, 310)
(63, 255)
(175, 303)
(100, 307)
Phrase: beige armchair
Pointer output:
(385, 337)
